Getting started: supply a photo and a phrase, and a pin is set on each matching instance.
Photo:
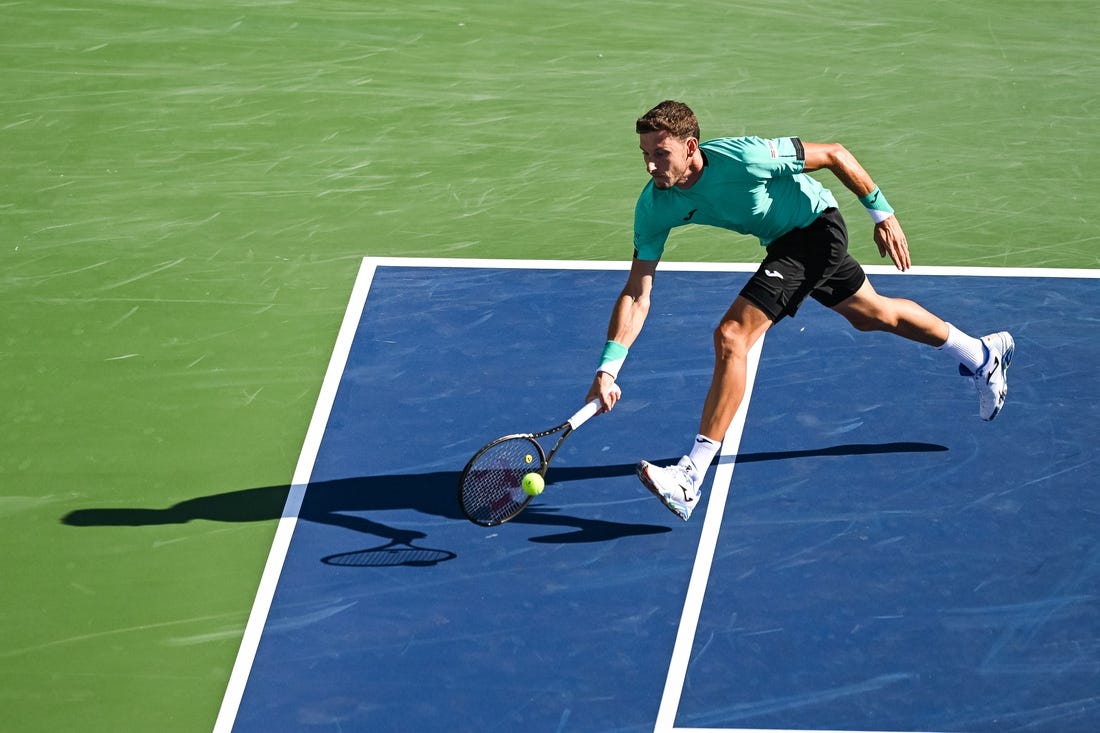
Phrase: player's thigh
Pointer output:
(741, 327)
(843, 278)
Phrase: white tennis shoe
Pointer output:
(991, 379)
(676, 486)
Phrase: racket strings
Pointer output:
(491, 489)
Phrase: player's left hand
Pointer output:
(891, 241)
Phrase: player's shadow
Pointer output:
(350, 502)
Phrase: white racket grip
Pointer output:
(583, 415)
(586, 413)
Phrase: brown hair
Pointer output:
(675, 118)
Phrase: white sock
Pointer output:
(969, 351)
(702, 453)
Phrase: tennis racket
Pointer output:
(490, 489)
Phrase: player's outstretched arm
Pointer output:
(628, 315)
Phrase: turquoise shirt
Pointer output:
(749, 185)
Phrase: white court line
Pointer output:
(257, 619)
(708, 543)
(261, 606)
(700, 573)
(455, 262)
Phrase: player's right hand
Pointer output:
(604, 387)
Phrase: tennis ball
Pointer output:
(533, 484)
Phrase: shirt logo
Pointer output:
(690, 214)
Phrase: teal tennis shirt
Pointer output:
(749, 185)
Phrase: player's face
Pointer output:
(668, 158)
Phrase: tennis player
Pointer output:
(759, 187)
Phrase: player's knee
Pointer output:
(731, 341)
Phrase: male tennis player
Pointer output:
(759, 187)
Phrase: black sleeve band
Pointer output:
(799, 149)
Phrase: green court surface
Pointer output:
(187, 189)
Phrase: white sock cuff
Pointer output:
(702, 452)
(969, 351)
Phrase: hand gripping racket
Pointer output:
(490, 489)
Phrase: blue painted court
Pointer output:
(871, 556)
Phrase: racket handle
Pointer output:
(583, 415)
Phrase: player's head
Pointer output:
(669, 138)
(675, 118)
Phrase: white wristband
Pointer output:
(878, 216)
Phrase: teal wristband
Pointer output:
(877, 205)
(612, 358)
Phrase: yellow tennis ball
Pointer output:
(533, 484)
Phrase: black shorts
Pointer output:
(812, 261)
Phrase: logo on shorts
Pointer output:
(773, 273)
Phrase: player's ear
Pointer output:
(692, 145)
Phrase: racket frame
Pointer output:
(566, 428)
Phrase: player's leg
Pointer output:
(794, 266)
(741, 327)
(983, 360)
(867, 310)
(679, 486)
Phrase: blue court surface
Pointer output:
(871, 555)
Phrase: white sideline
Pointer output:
(257, 619)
